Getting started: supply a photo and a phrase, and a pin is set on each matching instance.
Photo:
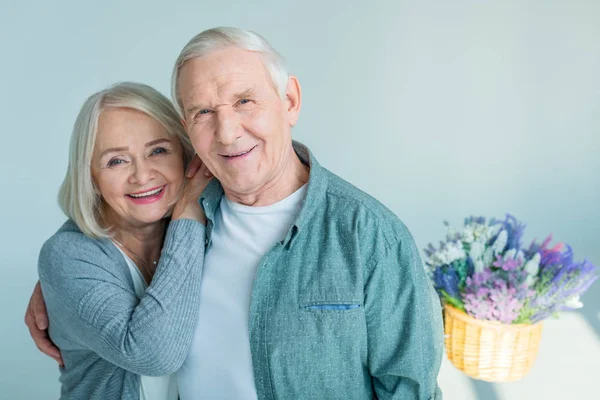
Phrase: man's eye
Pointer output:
(114, 162)
(244, 101)
(159, 150)
(202, 112)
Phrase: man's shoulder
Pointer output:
(357, 202)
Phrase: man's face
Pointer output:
(237, 122)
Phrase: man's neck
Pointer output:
(291, 177)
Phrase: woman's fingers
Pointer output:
(38, 307)
(36, 319)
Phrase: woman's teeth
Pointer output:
(150, 193)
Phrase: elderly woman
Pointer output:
(121, 311)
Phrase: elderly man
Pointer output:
(311, 288)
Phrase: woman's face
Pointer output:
(137, 167)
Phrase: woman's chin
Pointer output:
(150, 216)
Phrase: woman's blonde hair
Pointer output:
(77, 196)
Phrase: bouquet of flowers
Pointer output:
(483, 270)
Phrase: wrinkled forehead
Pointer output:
(221, 74)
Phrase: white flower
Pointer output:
(476, 251)
(530, 280)
(468, 235)
(493, 231)
(478, 266)
(447, 254)
(482, 232)
(488, 256)
(532, 267)
(510, 254)
(450, 232)
(455, 252)
(573, 302)
(500, 242)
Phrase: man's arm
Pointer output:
(36, 319)
(404, 324)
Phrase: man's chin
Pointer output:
(241, 185)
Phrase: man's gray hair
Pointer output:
(216, 39)
(77, 196)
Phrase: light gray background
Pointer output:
(439, 109)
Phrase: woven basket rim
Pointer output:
(461, 315)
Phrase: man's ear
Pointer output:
(293, 99)
(183, 123)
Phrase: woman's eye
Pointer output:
(159, 150)
(114, 162)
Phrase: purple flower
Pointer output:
(495, 295)
(508, 264)
(560, 280)
(514, 284)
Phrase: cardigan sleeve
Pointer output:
(92, 304)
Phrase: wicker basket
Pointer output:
(487, 350)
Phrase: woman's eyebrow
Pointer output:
(157, 141)
(113, 150)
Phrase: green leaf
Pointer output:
(453, 301)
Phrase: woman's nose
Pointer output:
(143, 172)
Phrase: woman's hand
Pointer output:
(197, 177)
(36, 319)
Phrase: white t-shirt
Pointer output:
(219, 364)
(151, 387)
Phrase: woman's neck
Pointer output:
(142, 244)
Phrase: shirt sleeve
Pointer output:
(97, 309)
(404, 325)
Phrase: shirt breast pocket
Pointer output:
(328, 306)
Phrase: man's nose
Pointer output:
(228, 127)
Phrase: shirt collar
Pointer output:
(315, 193)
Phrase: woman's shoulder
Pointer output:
(69, 238)
(69, 245)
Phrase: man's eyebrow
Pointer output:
(248, 93)
(193, 109)
(245, 94)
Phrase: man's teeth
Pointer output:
(150, 193)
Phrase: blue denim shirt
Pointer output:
(342, 307)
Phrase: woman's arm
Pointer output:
(87, 300)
